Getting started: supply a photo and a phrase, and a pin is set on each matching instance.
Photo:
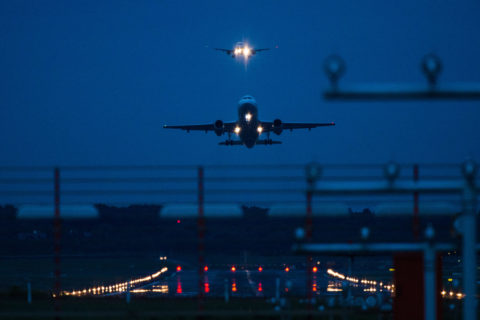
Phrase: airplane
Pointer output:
(248, 127)
(241, 49)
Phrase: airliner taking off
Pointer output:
(248, 127)
(241, 49)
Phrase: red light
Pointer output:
(205, 268)
(207, 288)
(260, 269)
(234, 287)
(233, 268)
(179, 286)
(178, 221)
(260, 289)
(314, 269)
(179, 268)
(287, 269)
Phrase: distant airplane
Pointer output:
(248, 128)
(241, 49)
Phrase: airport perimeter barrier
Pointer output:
(464, 186)
(203, 192)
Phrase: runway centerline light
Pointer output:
(205, 268)
(179, 268)
(287, 269)
(314, 269)
(233, 269)
(260, 269)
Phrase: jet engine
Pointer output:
(218, 127)
(277, 126)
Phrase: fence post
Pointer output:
(29, 292)
(312, 173)
(201, 238)
(416, 222)
(429, 267)
(57, 235)
(469, 240)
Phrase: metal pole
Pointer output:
(416, 224)
(469, 252)
(127, 296)
(29, 293)
(57, 230)
(277, 290)
(309, 227)
(227, 298)
(201, 239)
(429, 283)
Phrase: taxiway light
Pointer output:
(179, 268)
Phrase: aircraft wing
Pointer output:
(228, 127)
(268, 126)
(227, 51)
(258, 50)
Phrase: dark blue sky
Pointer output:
(93, 82)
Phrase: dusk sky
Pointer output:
(93, 82)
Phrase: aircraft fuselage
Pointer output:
(248, 122)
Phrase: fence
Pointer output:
(195, 196)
